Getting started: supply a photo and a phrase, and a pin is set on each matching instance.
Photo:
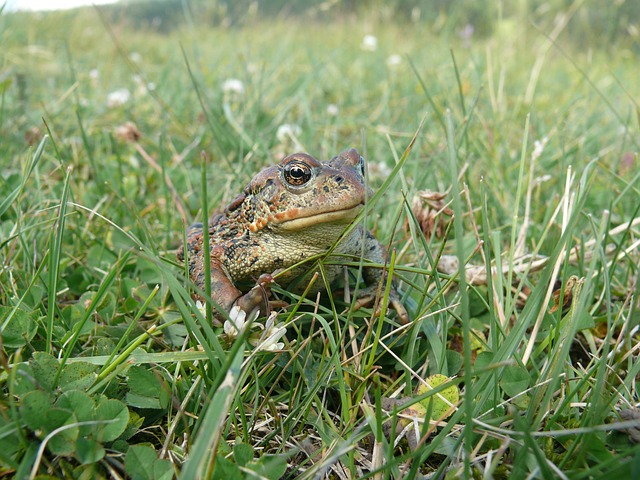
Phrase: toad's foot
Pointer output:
(369, 297)
(258, 298)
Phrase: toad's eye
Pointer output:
(297, 173)
(361, 165)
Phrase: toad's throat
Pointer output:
(296, 220)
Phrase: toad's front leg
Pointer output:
(376, 277)
(224, 292)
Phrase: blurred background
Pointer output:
(598, 22)
(39, 5)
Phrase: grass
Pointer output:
(108, 369)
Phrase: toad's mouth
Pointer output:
(295, 220)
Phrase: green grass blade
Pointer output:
(55, 253)
(464, 295)
(203, 453)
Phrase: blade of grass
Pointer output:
(206, 245)
(515, 247)
(432, 102)
(85, 141)
(216, 129)
(202, 457)
(464, 294)
(55, 249)
(35, 278)
(104, 288)
(139, 358)
(17, 192)
(109, 365)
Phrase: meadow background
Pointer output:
(526, 166)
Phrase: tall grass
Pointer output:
(534, 142)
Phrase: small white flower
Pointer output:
(369, 43)
(142, 87)
(201, 307)
(94, 77)
(273, 332)
(271, 343)
(538, 147)
(233, 86)
(288, 131)
(135, 57)
(394, 60)
(333, 110)
(118, 97)
(467, 32)
(236, 322)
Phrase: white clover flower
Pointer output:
(236, 322)
(394, 60)
(94, 76)
(201, 307)
(467, 32)
(118, 98)
(233, 86)
(142, 87)
(369, 43)
(287, 131)
(271, 343)
(273, 332)
(538, 148)
(333, 110)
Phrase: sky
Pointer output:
(49, 4)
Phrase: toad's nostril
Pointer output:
(339, 179)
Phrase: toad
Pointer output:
(292, 211)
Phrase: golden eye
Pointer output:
(297, 173)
